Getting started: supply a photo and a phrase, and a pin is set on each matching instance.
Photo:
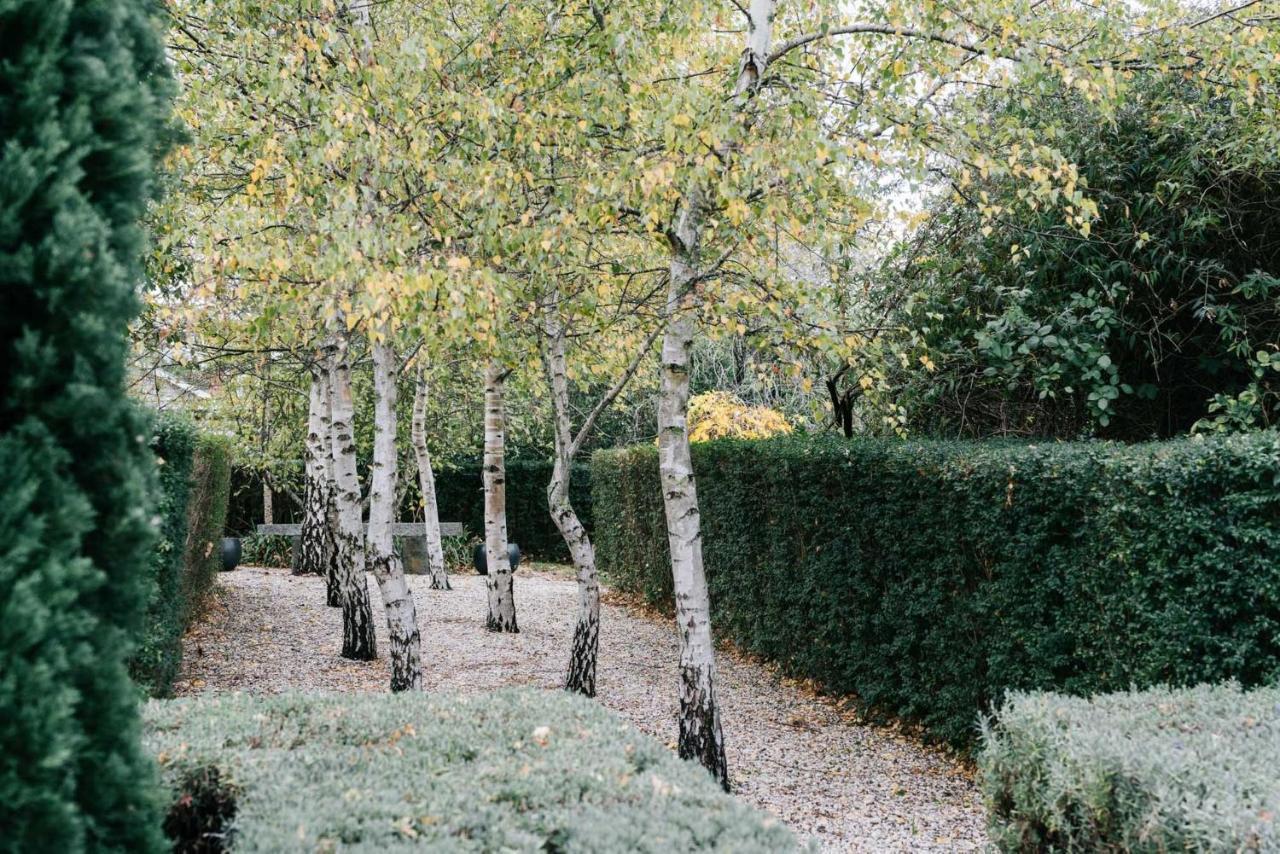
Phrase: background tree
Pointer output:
(84, 91)
(1162, 317)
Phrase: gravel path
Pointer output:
(797, 755)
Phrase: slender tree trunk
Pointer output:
(268, 502)
(586, 633)
(502, 603)
(397, 598)
(331, 564)
(358, 639)
(316, 499)
(701, 737)
(427, 483)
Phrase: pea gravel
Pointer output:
(800, 756)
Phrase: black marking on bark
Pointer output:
(700, 735)
(582, 659)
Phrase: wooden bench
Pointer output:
(413, 547)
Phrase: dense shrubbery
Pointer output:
(516, 770)
(1168, 315)
(192, 508)
(156, 660)
(930, 577)
(83, 110)
(206, 520)
(460, 494)
(1194, 769)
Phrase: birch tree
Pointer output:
(402, 617)
(498, 581)
(318, 490)
(358, 639)
(427, 485)
(581, 676)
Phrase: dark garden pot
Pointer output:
(230, 553)
(482, 562)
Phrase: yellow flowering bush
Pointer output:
(721, 415)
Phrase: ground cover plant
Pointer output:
(515, 770)
(1196, 769)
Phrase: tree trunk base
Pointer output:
(359, 643)
(498, 624)
(701, 738)
(582, 660)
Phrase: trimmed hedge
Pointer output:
(930, 577)
(191, 506)
(207, 507)
(460, 495)
(515, 770)
(1161, 770)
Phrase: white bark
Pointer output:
(502, 605)
(358, 639)
(427, 484)
(387, 568)
(586, 633)
(701, 736)
(330, 562)
(311, 560)
(268, 504)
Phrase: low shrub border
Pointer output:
(930, 577)
(514, 770)
(191, 505)
(1195, 769)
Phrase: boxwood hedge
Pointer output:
(1195, 769)
(930, 577)
(516, 770)
(191, 505)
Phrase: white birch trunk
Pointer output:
(583, 653)
(316, 499)
(397, 599)
(358, 639)
(701, 736)
(502, 605)
(427, 484)
(330, 562)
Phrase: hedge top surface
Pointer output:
(1156, 770)
(516, 770)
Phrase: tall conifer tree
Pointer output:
(84, 95)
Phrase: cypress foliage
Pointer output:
(83, 106)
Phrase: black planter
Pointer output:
(230, 553)
(481, 561)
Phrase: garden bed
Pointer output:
(515, 770)
(1160, 770)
